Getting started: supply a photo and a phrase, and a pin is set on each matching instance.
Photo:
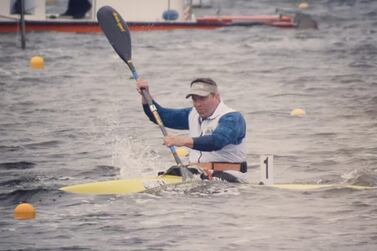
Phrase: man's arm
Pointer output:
(171, 118)
(230, 130)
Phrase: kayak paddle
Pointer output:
(118, 34)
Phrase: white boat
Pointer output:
(141, 15)
(54, 15)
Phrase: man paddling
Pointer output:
(216, 132)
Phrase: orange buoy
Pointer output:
(24, 211)
(37, 62)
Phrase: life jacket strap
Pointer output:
(222, 166)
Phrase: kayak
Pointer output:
(132, 186)
(123, 186)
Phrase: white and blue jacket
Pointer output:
(218, 138)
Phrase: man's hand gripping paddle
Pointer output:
(118, 34)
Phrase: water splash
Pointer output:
(363, 177)
(136, 159)
(197, 188)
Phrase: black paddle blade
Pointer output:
(116, 31)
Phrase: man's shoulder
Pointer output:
(235, 116)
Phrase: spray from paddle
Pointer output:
(134, 159)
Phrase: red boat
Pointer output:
(277, 20)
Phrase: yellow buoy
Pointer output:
(298, 112)
(37, 62)
(182, 152)
(24, 211)
(303, 6)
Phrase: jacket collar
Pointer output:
(218, 111)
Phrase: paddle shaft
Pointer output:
(154, 111)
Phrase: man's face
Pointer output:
(205, 106)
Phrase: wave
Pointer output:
(14, 197)
(363, 177)
(50, 143)
(101, 171)
(9, 148)
(17, 165)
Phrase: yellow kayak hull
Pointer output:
(122, 187)
(132, 186)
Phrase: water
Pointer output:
(80, 120)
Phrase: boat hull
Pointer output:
(122, 187)
(93, 27)
(132, 186)
(201, 23)
(276, 21)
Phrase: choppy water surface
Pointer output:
(80, 120)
